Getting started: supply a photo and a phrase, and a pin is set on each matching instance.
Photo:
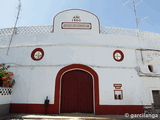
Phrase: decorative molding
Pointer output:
(117, 86)
(118, 55)
(37, 54)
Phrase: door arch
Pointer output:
(76, 67)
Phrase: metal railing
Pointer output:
(103, 30)
(118, 31)
(26, 30)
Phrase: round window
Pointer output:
(118, 55)
(37, 54)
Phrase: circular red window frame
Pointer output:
(34, 51)
(120, 52)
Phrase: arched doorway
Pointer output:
(57, 98)
(76, 92)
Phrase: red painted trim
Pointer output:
(120, 52)
(34, 51)
(100, 110)
(31, 108)
(79, 10)
(119, 109)
(71, 67)
(117, 86)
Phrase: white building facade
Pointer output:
(82, 67)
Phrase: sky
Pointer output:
(111, 13)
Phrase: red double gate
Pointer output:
(76, 92)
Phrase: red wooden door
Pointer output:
(76, 92)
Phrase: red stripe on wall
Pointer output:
(101, 109)
(119, 109)
(31, 108)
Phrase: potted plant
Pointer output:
(6, 76)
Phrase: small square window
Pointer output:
(118, 94)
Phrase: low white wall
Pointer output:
(5, 96)
(5, 99)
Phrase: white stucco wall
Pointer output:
(36, 79)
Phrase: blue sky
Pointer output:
(111, 13)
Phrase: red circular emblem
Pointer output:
(37, 54)
(118, 55)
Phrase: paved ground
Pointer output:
(72, 116)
